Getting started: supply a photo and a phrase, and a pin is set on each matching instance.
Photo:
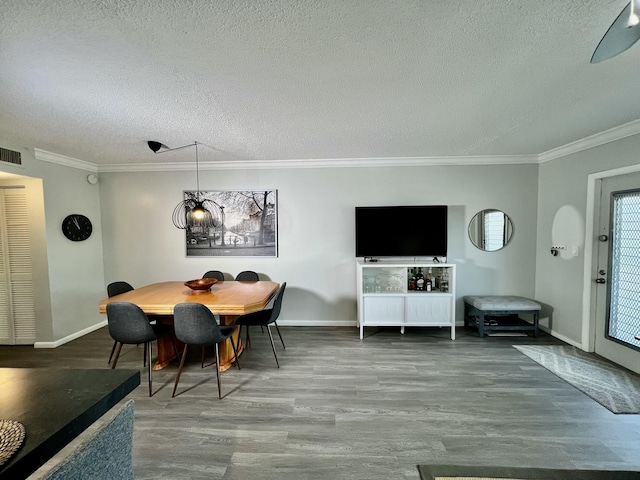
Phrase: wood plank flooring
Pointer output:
(341, 408)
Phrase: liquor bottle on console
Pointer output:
(444, 282)
(420, 280)
(412, 279)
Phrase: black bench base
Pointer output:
(492, 320)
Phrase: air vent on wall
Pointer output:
(9, 156)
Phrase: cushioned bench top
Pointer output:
(501, 303)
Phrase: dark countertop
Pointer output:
(55, 406)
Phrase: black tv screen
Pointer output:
(408, 231)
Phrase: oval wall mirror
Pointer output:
(490, 230)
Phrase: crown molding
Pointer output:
(322, 163)
(595, 140)
(50, 157)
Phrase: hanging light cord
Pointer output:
(196, 143)
(202, 213)
(197, 174)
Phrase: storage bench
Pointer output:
(495, 312)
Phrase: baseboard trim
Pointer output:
(68, 338)
(334, 323)
(284, 323)
(562, 337)
(318, 323)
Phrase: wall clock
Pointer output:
(77, 227)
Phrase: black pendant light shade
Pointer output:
(196, 212)
(193, 211)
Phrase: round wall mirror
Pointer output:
(490, 230)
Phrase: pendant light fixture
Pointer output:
(194, 210)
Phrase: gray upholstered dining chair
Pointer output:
(116, 288)
(129, 325)
(265, 318)
(247, 276)
(113, 289)
(217, 274)
(194, 324)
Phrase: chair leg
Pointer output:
(202, 360)
(273, 347)
(175, 386)
(113, 349)
(115, 359)
(144, 359)
(248, 340)
(279, 334)
(235, 351)
(147, 348)
(218, 370)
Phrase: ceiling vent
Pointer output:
(9, 156)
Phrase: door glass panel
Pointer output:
(623, 322)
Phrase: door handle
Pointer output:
(600, 280)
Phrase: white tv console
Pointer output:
(385, 300)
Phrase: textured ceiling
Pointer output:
(309, 79)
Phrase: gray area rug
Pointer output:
(610, 385)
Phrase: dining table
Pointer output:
(228, 299)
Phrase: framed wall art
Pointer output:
(247, 225)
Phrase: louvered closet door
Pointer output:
(17, 313)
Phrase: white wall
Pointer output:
(316, 228)
(134, 239)
(563, 189)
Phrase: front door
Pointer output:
(617, 272)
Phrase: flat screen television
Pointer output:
(405, 231)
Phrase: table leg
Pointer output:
(166, 352)
(165, 345)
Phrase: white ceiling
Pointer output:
(309, 79)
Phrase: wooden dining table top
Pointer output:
(228, 297)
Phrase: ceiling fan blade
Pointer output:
(618, 38)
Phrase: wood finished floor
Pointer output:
(341, 408)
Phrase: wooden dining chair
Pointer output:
(194, 324)
(265, 318)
